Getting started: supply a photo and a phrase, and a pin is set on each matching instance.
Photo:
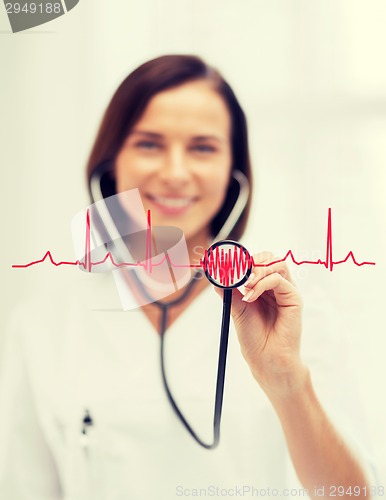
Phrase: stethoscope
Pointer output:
(217, 264)
(222, 280)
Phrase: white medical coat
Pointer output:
(77, 350)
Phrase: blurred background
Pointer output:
(311, 76)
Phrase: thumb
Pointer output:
(238, 306)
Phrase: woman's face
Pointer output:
(179, 156)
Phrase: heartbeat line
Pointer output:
(227, 265)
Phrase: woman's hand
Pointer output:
(268, 324)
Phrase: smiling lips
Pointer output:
(172, 204)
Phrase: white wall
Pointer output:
(311, 76)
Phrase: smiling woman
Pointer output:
(93, 420)
(175, 130)
(179, 156)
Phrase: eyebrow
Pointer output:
(207, 137)
(155, 135)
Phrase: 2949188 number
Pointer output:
(33, 8)
(356, 491)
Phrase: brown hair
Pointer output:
(130, 100)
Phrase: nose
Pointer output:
(175, 170)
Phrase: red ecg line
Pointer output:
(148, 259)
(220, 265)
(329, 263)
(87, 259)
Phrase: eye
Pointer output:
(148, 145)
(203, 148)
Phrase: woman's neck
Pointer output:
(196, 250)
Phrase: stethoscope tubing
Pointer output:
(222, 357)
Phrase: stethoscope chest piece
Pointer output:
(227, 264)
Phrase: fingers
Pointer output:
(265, 264)
(284, 291)
(269, 273)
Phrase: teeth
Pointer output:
(173, 202)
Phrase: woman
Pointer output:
(95, 420)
